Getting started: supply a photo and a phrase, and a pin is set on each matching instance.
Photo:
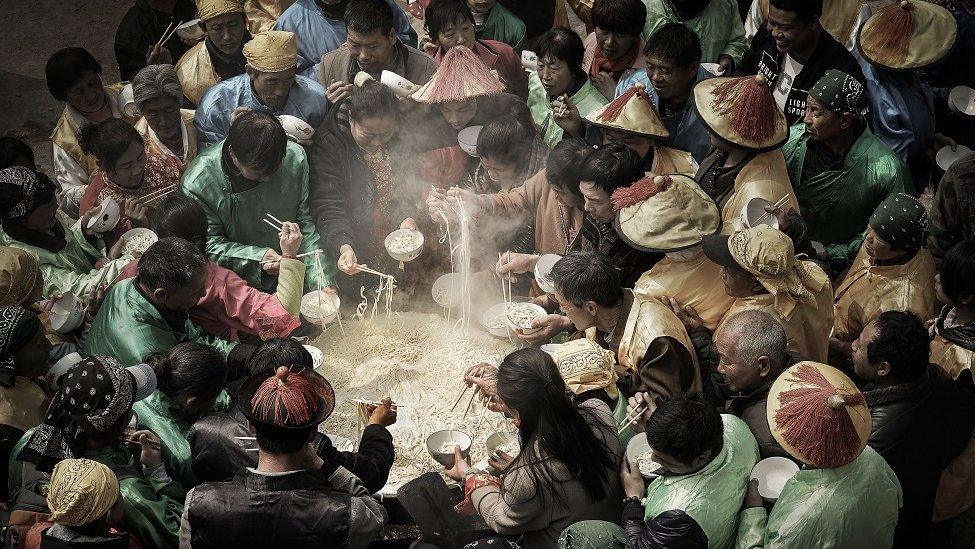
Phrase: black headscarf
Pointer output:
(17, 327)
(22, 191)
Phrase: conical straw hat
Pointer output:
(664, 214)
(742, 111)
(461, 75)
(908, 35)
(632, 112)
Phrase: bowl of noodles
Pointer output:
(320, 307)
(404, 244)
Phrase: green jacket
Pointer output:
(848, 507)
(156, 413)
(719, 27)
(503, 26)
(713, 495)
(836, 205)
(129, 327)
(237, 238)
(587, 100)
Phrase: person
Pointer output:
(218, 455)
(838, 17)
(219, 56)
(672, 57)
(293, 497)
(127, 174)
(229, 308)
(450, 23)
(845, 495)
(74, 78)
(608, 535)
(952, 215)
(142, 26)
(761, 271)
(262, 14)
(68, 253)
(21, 283)
(745, 162)
(560, 82)
(320, 28)
(86, 505)
(913, 405)
(614, 49)
(14, 152)
(165, 127)
(892, 272)
(493, 21)
(705, 459)
(372, 47)
(839, 169)
(538, 17)
(510, 152)
(556, 480)
(252, 173)
(89, 418)
(269, 84)
(716, 23)
(794, 51)
(589, 370)
(150, 312)
(358, 185)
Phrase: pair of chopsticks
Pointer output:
(157, 194)
(632, 417)
(364, 268)
(275, 223)
(394, 405)
(270, 261)
(167, 34)
(474, 392)
(154, 444)
(779, 204)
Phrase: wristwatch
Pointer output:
(632, 499)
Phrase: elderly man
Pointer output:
(371, 46)
(715, 22)
(220, 55)
(613, 49)
(165, 127)
(840, 170)
(270, 84)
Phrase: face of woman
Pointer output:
(555, 75)
(226, 32)
(373, 133)
(877, 248)
(458, 33)
(87, 94)
(43, 218)
(459, 113)
(32, 359)
(738, 282)
(163, 116)
(129, 169)
(500, 170)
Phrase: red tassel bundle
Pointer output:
(285, 400)
(749, 104)
(460, 76)
(814, 420)
(616, 106)
(891, 33)
(638, 192)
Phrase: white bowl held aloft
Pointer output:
(543, 270)
(67, 313)
(404, 244)
(962, 100)
(946, 157)
(441, 446)
(754, 211)
(773, 473)
(320, 308)
(137, 241)
(190, 30)
(106, 216)
(400, 85)
(296, 128)
(639, 455)
(468, 139)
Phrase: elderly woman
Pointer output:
(165, 127)
(71, 257)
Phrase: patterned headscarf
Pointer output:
(593, 534)
(19, 276)
(81, 491)
(586, 366)
(840, 92)
(22, 191)
(94, 394)
(17, 327)
(901, 221)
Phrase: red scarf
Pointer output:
(614, 67)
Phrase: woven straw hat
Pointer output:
(908, 35)
(272, 51)
(665, 214)
(320, 390)
(632, 112)
(461, 75)
(742, 111)
(208, 9)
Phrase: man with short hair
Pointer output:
(614, 48)
(794, 51)
(270, 84)
(716, 23)
(220, 55)
(372, 47)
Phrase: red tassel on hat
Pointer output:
(284, 399)
(638, 192)
(750, 105)
(896, 24)
(615, 107)
(814, 420)
(459, 72)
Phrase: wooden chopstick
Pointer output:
(164, 38)
(273, 226)
(628, 420)
(779, 204)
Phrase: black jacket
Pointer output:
(139, 30)
(919, 428)
(672, 529)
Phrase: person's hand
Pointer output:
(943, 140)
(384, 414)
(604, 82)
(781, 215)
(752, 499)
(271, 262)
(725, 64)
(631, 479)
(567, 115)
(435, 205)
(430, 47)
(550, 324)
(95, 298)
(461, 466)
(931, 328)
(470, 199)
(640, 400)
(149, 457)
(841, 348)
(237, 112)
(485, 379)
(347, 263)
(687, 315)
(500, 461)
(510, 264)
(290, 239)
(158, 55)
(338, 92)
(409, 223)
(542, 301)
(115, 251)
(137, 212)
(45, 305)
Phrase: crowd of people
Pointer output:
(762, 256)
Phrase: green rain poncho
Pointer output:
(587, 100)
(713, 495)
(719, 27)
(129, 328)
(237, 238)
(851, 506)
(503, 26)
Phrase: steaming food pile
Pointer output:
(522, 314)
(405, 242)
(318, 305)
(646, 464)
(138, 243)
(418, 360)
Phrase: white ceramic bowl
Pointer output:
(495, 320)
(501, 438)
(138, 240)
(946, 157)
(296, 128)
(753, 211)
(773, 473)
(530, 61)
(409, 255)
(106, 216)
(446, 290)
(400, 85)
(67, 314)
(543, 268)
(637, 447)
(549, 347)
(962, 100)
(341, 443)
(468, 139)
(318, 357)
(190, 30)
(127, 103)
(440, 438)
(539, 311)
(712, 68)
(311, 312)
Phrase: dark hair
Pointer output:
(281, 441)
(612, 166)
(510, 105)
(257, 139)
(441, 13)
(619, 16)
(182, 217)
(373, 100)
(189, 369)
(675, 43)
(108, 140)
(805, 10)
(684, 427)
(956, 272)
(13, 149)
(901, 340)
(506, 138)
(369, 16)
(66, 68)
(170, 264)
(564, 45)
(278, 352)
(587, 276)
(529, 383)
(565, 163)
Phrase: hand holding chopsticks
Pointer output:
(772, 210)
(639, 409)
